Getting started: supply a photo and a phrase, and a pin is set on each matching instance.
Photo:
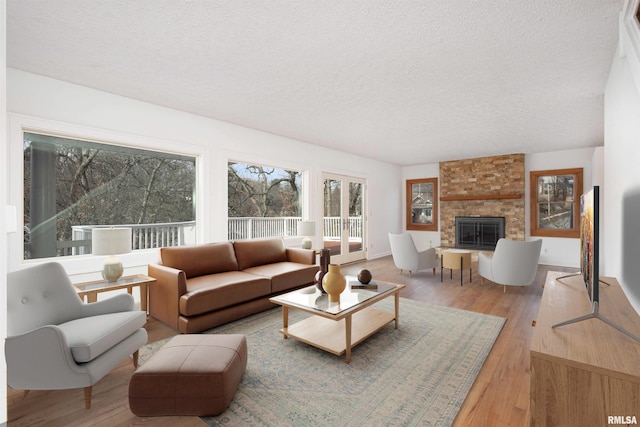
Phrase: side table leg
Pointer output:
(285, 321)
(347, 332)
(397, 307)
(144, 294)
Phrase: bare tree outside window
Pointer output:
(72, 186)
(263, 201)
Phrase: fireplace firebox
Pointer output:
(479, 232)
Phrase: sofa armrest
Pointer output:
(302, 256)
(165, 293)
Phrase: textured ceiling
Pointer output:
(402, 81)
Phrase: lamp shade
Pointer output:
(306, 228)
(111, 241)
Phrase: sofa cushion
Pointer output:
(250, 253)
(285, 275)
(89, 337)
(198, 260)
(216, 291)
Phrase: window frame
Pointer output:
(19, 124)
(410, 225)
(536, 230)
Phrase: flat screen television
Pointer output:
(589, 241)
(589, 259)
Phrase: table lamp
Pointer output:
(111, 242)
(306, 229)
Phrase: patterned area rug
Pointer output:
(418, 375)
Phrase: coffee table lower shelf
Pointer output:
(332, 336)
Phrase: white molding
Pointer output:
(630, 38)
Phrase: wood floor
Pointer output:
(499, 397)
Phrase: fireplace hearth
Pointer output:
(473, 232)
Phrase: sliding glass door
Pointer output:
(344, 225)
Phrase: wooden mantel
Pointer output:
(480, 197)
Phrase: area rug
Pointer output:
(417, 375)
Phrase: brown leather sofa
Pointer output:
(202, 286)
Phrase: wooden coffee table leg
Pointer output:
(347, 332)
(285, 320)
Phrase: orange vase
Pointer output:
(334, 283)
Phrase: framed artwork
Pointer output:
(422, 204)
(555, 202)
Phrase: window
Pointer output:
(555, 202)
(263, 201)
(422, 204)
(72, 186)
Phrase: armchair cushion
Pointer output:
(89, 337)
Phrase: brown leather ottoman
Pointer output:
(190, 375)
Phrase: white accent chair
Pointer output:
(407, 257)
(55, 341)
(513, 263)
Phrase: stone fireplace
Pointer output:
(483, 187)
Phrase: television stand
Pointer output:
(583, 373)
(568, 275)
(578, 274)
(595, 314)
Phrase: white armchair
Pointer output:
(514, 263)
(406, 256)
(55, 341)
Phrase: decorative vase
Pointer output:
(334, 283)
(325, 257)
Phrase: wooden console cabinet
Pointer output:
(585, 372)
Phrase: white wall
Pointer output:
(621, 249)
(3, 200)
(38, 102)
